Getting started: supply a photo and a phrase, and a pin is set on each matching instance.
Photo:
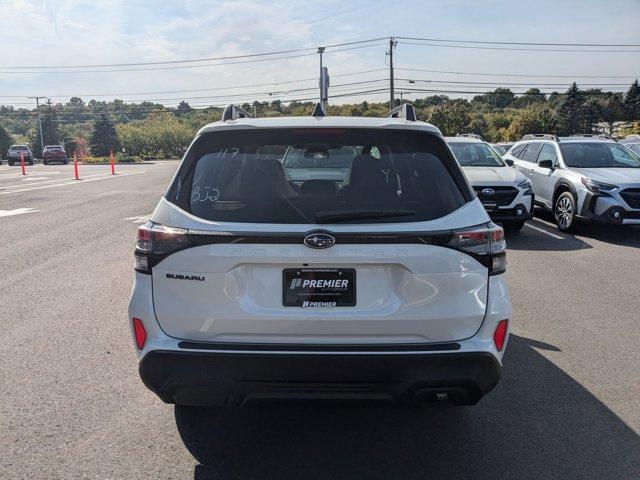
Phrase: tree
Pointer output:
(531, 96)
(50, 131)
(570, 111)
(631, 102)
(536, 119)
(611, 111)
(499, 98)
(161, 135)
(183, 109)
(6, 140)
(104, 137)
(452, 117)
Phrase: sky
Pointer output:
(58, 33)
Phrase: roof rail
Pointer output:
(470, 135)
(538, 136)
(233, 112)
(405, 111)
(319, 111)
(588, 135)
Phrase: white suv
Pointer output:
(504, 192)
(581, 177)
(383, 282)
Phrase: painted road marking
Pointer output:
(71, 182)
(22, 185)
(17, 211)
(542, 230)
(139, 218)
(19, 175)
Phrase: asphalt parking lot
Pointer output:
(72, 404)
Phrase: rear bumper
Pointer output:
(238, 378)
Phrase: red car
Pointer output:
(54, 153)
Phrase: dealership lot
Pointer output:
(72, 404)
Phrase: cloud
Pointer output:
(65, 32)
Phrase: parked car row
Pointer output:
(581, 177)
(50, 154)
(504, 192)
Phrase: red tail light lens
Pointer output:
(155, 242)
(485, 243)
(139, 332)
(500, 334)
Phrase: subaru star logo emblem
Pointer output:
(319, 240)
(488, 192)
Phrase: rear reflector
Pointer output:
(139, 332)
(500, 334)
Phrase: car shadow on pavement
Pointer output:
(537, 423)
(622, 235)
(533, 240)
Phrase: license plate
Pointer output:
(319, 287)
(490, 205)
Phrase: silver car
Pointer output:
(581, 177)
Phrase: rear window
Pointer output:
(19, 148)
(53, 148)
(319, 176)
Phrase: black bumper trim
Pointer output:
(509, 214)
(236, 379)
(608, 216)
(344, 348)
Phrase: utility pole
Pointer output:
(392, 45)
(39, 120)
(323, 83)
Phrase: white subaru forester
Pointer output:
(329, 258)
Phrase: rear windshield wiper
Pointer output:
(351, 215)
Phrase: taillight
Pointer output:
(139, 332)
(500, 334)
(155, 242)
(485, 243)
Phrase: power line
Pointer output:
(286, 82)
(137, 112)
(489, 92)
(523, 43)
(196, 60)
(476, 47)
(513, 83)
(176, 67)
(247, 95)
(532, 75)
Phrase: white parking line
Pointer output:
(19, 175)
(17, 211)
(542, 230)
(22, 185)
(139, 218)
(72, 182)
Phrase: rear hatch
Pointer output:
(252, 255)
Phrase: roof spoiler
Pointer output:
(405, 111)
(233, 112)
(539, 136)
(318, 111)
